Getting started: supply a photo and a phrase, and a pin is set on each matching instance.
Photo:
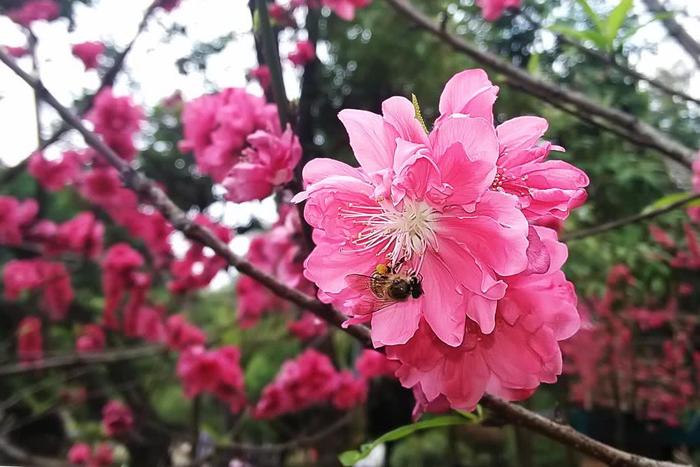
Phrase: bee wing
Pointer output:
(369, 302)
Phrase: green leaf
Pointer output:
(349, 458)
(668, 200)
(591, 14)
(616, 19)
(594, 36)
(533, 64)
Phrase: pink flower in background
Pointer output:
(120, 274)
(420, 203)
(117, 419)
(15, 216)
(79, 454)
(149, 324)
(180, 334)
(537, 311)
(16, 52)
(30, 345)
(34, 10)
(53, 175)
(694, 212)
(168, 5)
(345, 9)
(102, 186)
(262, 74)
(103, 455)
(216, 127)
(304, 53)
(82, 235)
(91, 339)
(307, 380)
(50, 278)
(308, 327)
(372, 364)
(117, 120)
(89, 53)
(350, 391)
(268, 163)
(491, 10)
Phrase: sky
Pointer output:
(151, 65)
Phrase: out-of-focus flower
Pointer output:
(117, 419)
(55, 174)
(50, 278)
(262, 74)
(372, 364)
(89, 53)
(350, 391)
(491, 10)
(91, 339)
(15, 216)
(308, 327)
(34, 10)
(80, 454)
(180, 334)
(304, 53)
(30, 345)
(16, 52)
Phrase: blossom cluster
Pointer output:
(455, 210)
(34, 10)
(82, 454)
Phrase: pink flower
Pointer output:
(308, 327)
(29, 341)
(56, 174)
(350, 391)
(345, 9)
(89, 53)
(103, 187)
(181, 334)
(16, 52)
(91, 339)
(537, 311)
(52, 279)
(15, 216)
(116, 119)
(149, 324)
(168, 5)
(262, 74)
(216, 128)
(34, 10)
(80, 454)
(491, 10)
(305, 381)
(103, 455)
(117, 419)
(267, 164)
(119, 276)
(372, 364)
(421, 204)
(304, 53)
(216, 372)
(83, 235)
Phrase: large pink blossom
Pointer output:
(267, 164)
(15, 216)
(88, 53)
(421, 201)
(537, 311)
(216, 127)
(55, 174)
(491, 10)
(34, 10)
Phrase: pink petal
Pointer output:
(373, 150)
(396, 324)
(471, 93)
(441, 301)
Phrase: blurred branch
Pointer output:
(152, 194)
(76, 359)
(272, 59)
(583, 233)
(107, 80)
(628, 125)
(20, 455)
(612, 61)
(684, 39)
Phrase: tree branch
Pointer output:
(150, 192)
(21, 455)
(602, 228)
(272, 59)
(684, 39)
(582, 105)
(77, 359)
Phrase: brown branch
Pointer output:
(612, 61)
(76, 359)
(581, 104)
(20, 455)
(606, 227)
(155, 196)
(107, 80)
(685, 40)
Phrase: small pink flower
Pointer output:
(117, 419)
(308, 327)
(181, 334)
(120, 274)
(80, 454)
(16, 52)
(372, 364)
(91, 339)
(267, 164)
(117, 120)
(55, 174)
(149, 324)
(262, 74)
(82, 235)
(168, 5)
(34, 10)
(29, 341)
(52, 279)
(304, 53)
(491, 10)
(89, 53)
(345, 9)
(15, 217)
(349, 392)
(103, 455)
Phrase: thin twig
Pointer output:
(148, 190)
(76, 359)
(684, 39)
(272, 59)
(635, 130)
(606, 227)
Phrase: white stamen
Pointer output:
(401, 232)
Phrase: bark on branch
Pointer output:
(152, 194)
(629, 126)
(684, 39)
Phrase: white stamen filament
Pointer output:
(402, 232)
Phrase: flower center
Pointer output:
(402, 233)
(510, 183)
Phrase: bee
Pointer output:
(387, 286)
